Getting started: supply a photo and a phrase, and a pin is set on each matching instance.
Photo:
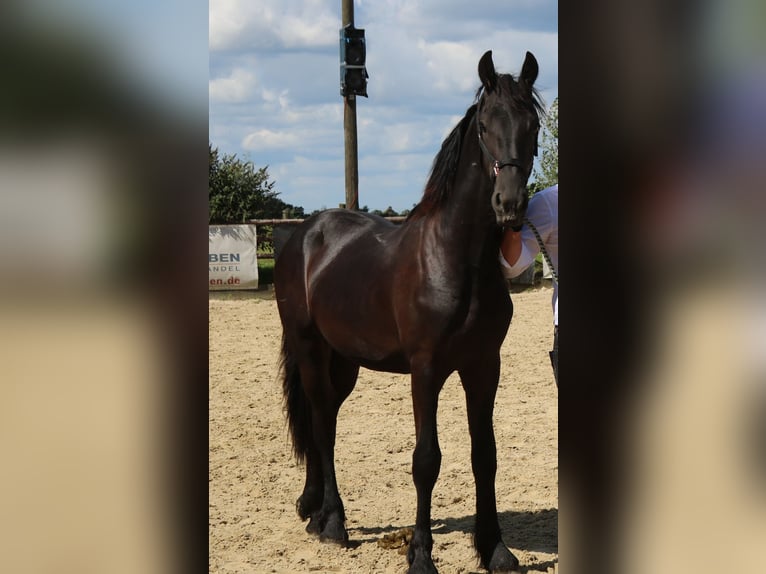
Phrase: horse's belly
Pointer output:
(364, 339)
(358, 324)
(396, 363)
(371, 353)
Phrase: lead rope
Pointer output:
(543, 250)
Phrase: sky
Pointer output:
(274, 86)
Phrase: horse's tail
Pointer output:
(297, 408)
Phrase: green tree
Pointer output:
(533, 187)
(390, 212)
(238, 192)
(547, 172)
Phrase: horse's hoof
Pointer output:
(302, 508)
(503, 560)
(334, 531)
(305, 506)
(422, 564)
(420, 561)
(313, 527)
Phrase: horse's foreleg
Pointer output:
(480, 385)
(426, 461)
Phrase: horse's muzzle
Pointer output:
(510, 220)
(510, 208)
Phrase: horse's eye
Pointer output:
(482, 128)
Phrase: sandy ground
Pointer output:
(254, 480)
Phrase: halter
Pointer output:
(497, 165)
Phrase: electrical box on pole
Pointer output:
(353, 53)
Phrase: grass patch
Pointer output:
(265, 271)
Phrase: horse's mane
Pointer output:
(444, 168)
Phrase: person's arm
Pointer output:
(511, 246)
(517, 251)
(519, 248)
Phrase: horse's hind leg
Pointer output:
(298, 365)
(480, 384)
(310, 501)
(327, 383)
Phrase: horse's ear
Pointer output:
(487, 73)
(529, 70)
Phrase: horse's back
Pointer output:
(334, 274)
(333, 237)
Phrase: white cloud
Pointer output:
(266, 139)
(270, 96)
(313, 116)
(238, 87)
(226, 22)
(452, 65)
(274, 24)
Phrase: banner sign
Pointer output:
(231, 257)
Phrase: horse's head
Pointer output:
(507, 120)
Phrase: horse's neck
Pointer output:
(467, 223)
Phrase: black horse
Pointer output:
(426, 297)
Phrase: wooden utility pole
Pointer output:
(349, 127)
